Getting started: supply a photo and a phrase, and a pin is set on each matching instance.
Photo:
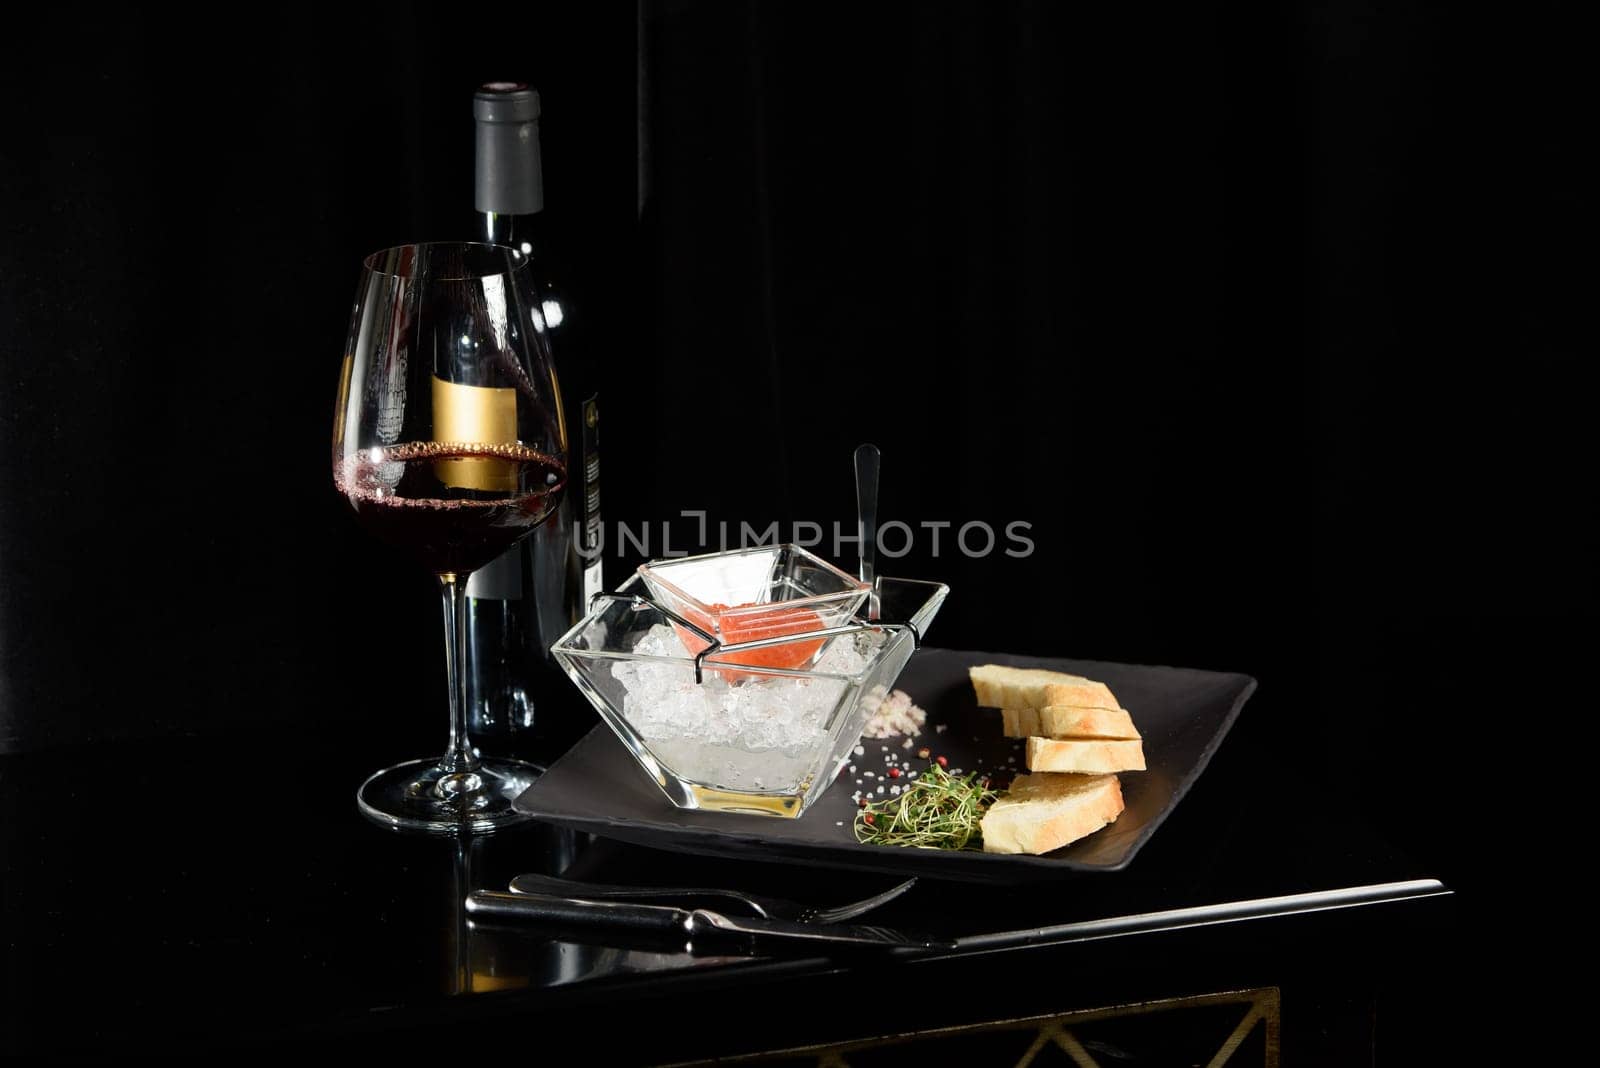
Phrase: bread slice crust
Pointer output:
(1067, 721)
(1085, 755)
(1006, 687)
(1044, 812)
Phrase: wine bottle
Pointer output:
(527, 598)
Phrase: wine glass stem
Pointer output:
(453, 590)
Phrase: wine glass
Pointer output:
(448, 442)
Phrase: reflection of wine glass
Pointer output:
(448, 442)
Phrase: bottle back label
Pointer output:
(593, 579)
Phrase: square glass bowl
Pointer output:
(754, 738)
(747, 595)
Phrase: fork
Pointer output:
(768, 907)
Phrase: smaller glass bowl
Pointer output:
(748, 595)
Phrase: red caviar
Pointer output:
(737, 626)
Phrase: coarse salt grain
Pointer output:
(940, 728)
(868, 775)
(896, 714)
(880, 789)
(861, 750)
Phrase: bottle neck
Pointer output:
(521, 232)
(526, 234)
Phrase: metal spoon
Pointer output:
(867, 457)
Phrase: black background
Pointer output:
(1264, 317)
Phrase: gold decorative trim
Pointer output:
(1058, 1032)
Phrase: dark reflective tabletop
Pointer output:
(148, 900)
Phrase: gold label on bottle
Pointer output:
(477, 415)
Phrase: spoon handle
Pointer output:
(867, 512)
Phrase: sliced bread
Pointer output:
(1007, 687)
(1068, 721)
(1044, 812)
(1092, 755)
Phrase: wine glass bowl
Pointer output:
(448, 444)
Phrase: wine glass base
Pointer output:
(419, 795)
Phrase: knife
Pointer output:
(674, 928)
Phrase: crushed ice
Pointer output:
(739, 729)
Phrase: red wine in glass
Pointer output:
(452, 506)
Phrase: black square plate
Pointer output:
(1183, 715)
